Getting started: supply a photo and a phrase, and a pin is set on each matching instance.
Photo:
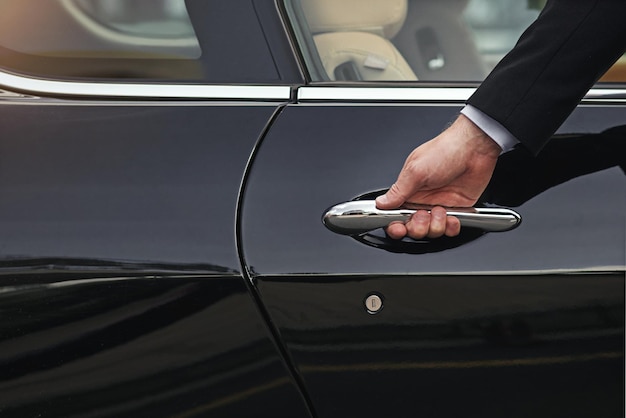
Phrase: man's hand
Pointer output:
(452, 169)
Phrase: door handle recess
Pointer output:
(361, 216)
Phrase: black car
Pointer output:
(166, 168)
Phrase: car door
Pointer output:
(125, 132)
(527, 322)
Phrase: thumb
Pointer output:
(394, 198)
(409, 182)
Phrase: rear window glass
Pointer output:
(108, 39)
(411, 40)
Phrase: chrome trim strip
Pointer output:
(136, 90)
(385, 93)
(617, 94)
(418, 94)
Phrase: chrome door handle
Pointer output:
(360, 216)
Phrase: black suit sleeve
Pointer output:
(556, 61)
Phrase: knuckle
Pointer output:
(418, 225)
(413, 170)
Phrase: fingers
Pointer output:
(453, 226)
(397, 230)
(426, 225)
(419, 225)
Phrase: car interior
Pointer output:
(97, 39)
(352, 38)
(407, 40)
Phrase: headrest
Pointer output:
(383, 17)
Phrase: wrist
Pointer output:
(476, 139)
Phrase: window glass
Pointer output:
(157, 19)
(146, 39)
(496, 25)
(409, 40)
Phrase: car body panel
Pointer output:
(511, 323)
(138, 346)
(119, 246)
(541, 345)
(139, 177)
(317, 155)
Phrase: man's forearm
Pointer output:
(540, 82)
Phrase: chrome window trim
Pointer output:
(419, 94)
(42, 86)
(618, 94)
(390, 94)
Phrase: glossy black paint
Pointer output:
(149, 182)
(523, 323)
(453, 345)
(158, 346)
(318, 155)
(101, 190)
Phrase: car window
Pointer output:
(144, 39)
(496, 25)
(411, 40)
(143, 19)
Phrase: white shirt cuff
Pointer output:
(491, 127)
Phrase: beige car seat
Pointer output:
(352, 38)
